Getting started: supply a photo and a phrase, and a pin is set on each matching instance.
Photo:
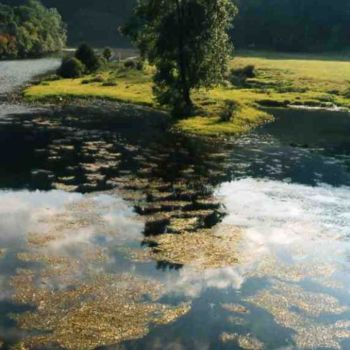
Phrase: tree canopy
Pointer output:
(188, 43)
(30, 30)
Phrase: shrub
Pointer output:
(88, 57)
(140, 65)
(228, 111)
(248, 71)
(109, 83)
(107, 53)
(97, 79)
(130, 64)
(240, 75)
(71, 68)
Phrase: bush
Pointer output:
(140, 65)
(88, 57)
(248, 71)
(97, 79)
(130, 64)
(242, 74)
(71, 68)
(109, 83)
(228, 111)
(107, 53)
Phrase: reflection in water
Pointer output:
(162, 241)
(68, 241)
(79, 256)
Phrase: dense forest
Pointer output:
(293, 25)
(289, 25)
(93, 21)
(30, 30)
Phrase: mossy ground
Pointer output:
(281, 80)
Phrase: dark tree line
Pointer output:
(93, 21)
(290, 25)
(293, 25)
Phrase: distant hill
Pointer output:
(282, 25)
(293, 25)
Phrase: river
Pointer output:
(116, 234)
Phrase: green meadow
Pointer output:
(281, 80)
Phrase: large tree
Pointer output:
(188, 43)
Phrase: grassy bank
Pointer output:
(280, 80)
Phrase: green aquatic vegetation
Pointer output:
(105, 310)
(237, 321)
(328, 282)
(294, 308)
(202, 249)
(75, 304)
(295, 272)
(137, 255)
(179, 225)
(235, 308)
(246, 342)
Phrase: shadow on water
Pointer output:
(159, 172)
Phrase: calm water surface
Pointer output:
(98, 215)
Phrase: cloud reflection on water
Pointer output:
(290, 231)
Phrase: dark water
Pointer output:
(85, 197)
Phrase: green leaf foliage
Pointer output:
(30, 30)
(71, 68)
(88, 57)
(188, 43)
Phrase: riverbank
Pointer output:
(278, 81)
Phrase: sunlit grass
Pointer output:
(281, 79)
(133, 88)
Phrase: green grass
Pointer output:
(281, 79)
(131, 86)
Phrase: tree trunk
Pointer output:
(186, 91)
(187, 98)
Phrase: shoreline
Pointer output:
(289, 84)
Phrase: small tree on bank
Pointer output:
(71, 67)
(107, 54)
(88, 57)
(187, 41)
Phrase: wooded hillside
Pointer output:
(288, 25)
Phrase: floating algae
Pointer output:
(294, 308)
(137, 255)
(76, 305)
(247, 342)
(296, 272)
(202, 249)
(237, 321)
(235, 308)
(107, 309)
